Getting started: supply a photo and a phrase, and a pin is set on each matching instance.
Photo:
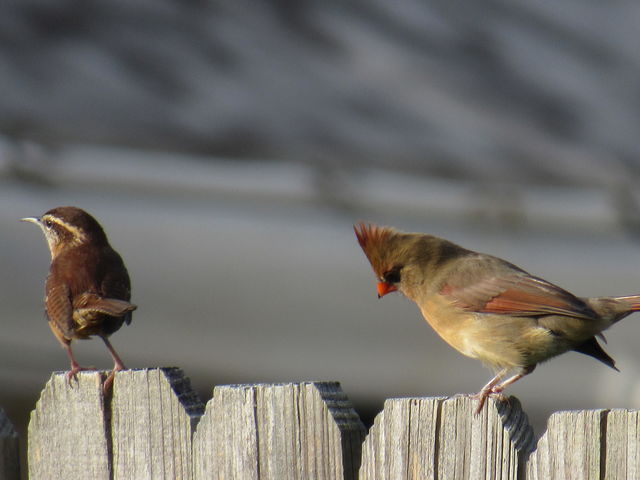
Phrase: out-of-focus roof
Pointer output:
(491, 91)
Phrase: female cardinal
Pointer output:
(488, 308)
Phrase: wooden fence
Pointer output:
(154, 427)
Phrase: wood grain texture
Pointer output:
(278, 432)
(588, 444)
(570, 449)
(303, 431)
(226, 438)
(622, 445)
(153, 416)
(430, 438)
(403, 440)
(68, 431)
(9, 458)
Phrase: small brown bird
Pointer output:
(487, 308)
(88, 289)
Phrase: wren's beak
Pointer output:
(35, 220)
(384, 288)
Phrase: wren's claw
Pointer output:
(108, 383)
(73, 373)
(75, 366)
(117, 367)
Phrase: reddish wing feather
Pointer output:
(518, 294)
(518, 301)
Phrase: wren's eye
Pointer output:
(392, 276)
(48, 223)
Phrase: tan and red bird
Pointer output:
(487, 308)
(87, 291)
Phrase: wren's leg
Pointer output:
(118, 365)
(488, 389)
(75, 367)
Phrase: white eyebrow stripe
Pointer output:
(78, 235)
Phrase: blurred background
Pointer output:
(228, 147)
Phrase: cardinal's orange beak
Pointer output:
(384, 288)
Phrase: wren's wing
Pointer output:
(115, 283)
(59, 309)
(92, 303)
(486, 284)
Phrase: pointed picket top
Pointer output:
(402, 443)
(278, 431)
(147, 428)
(588, 444)
(68, 430)
(430, 438)
(226, 438)
(153, 415)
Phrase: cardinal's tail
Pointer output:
(633, 301)
(613, 309)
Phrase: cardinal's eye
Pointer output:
(392, 276)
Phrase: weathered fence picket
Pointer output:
(622, 444)
(153, 416)
(421, 438)
(67, 431)
(589, 445)
(154, 427)
(279, 432)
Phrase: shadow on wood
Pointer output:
(9, 458)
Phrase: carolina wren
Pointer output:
(88, 289)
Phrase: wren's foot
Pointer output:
(117, 366)
(108, 383)
(75, 369)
